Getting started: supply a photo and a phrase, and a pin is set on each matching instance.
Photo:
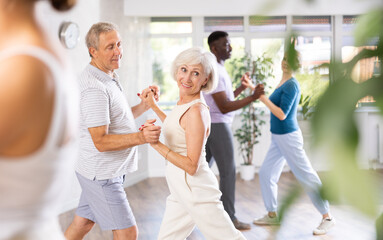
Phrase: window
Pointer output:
(164, 52)
(365, 68)
(267, 24)
(169, 37)
(314, 51)
(273, 48)
(256, 35)
(348, 23)
(227, 24)
(311, 23)
(170, 25)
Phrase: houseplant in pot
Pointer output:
(260, 69)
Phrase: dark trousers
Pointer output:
(219, 147)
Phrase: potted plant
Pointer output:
(306, 108)
(305, 113)
(260, 69)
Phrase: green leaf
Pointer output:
(368, 26)
(379, 228)
(288, 200)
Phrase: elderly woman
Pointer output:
(194, 195)
(287, 146)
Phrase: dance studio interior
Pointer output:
(327, 34)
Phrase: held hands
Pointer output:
(246, 81)
(150, 132)
(149, 96)
(259, 91)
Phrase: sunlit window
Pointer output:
(227, 24)
(267, 24)
(311, 23)
(313, 78)
(348, 23)
(170, 25)
(274, 49)
(164, 52)
(169, 37)
(265, 35)
(365, 68)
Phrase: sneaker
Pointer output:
(324, 226)
(240, 225)
(267, 220)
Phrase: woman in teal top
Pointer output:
(286, 96)
(287, 146)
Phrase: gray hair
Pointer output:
(194, 56)
(93, 36)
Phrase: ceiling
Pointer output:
(247, 7)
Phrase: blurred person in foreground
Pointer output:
(38, 124)
(287, 146)
(194, 195)
(108, 139)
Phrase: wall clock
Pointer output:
(69, 34)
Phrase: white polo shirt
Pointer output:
(102, 103)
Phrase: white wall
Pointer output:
(247, 7)
(85, 13)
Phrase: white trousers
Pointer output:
(195, 200)
(289, 148)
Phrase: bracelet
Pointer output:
(166, 156)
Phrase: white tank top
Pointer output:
(31, 187)
(175, 136)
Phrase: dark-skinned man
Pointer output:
(222, 105)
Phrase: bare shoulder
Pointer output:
(199, 111)
(24, 73)
(199, 108)
(25, 81)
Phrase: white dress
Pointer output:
(194, 200)
(32, 187)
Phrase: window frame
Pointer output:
(336, 34)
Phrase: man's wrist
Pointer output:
(255, 97)
(141, 137)
(242, 87)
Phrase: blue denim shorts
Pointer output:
(105, 203)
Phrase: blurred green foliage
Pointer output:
(312, 85)
(334, 127)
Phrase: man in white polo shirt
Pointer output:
(108, 140)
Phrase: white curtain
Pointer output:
(136, 69)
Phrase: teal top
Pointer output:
(287, 98)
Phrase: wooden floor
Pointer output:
(147, 199)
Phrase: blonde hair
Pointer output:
(293, 61)
(194, 56)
